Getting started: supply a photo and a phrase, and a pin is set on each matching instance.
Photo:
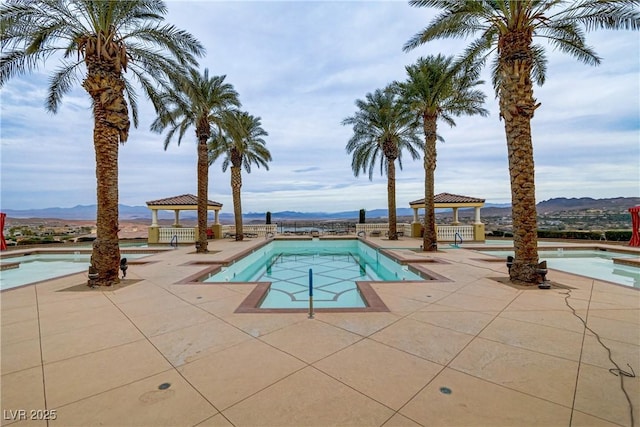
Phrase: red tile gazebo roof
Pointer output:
(449, 198)
(182, 200)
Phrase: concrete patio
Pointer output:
(470, 351)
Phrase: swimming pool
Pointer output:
(597, 264)
(336, 265)
(37, 267)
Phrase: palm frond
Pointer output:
(60, 83)
(241, 138)
(382, 129)
(132, 100)
(539, 68)
(563, 24)
(439, 87)
(183, 46)
(189, 97)
(569, 38)
(459, 19)
(33, 32)
(610, 15)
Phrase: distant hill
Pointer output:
(351, 215)
(88, 212)
(585, 203)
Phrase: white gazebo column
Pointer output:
(455, 217)
(416, 226)
(154, 230)
(478, 227)
(216, 227)
(176, 222)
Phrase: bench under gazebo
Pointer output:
(178, 233)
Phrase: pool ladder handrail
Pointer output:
(311, 313)
(174, 241)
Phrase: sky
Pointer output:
(300, 66)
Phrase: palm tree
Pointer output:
(199, 101)
(110, 39)
(437, 89)
(240, 141)
(508, 27)
(382, 129)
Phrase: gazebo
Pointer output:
(473, 232)
(184, 202)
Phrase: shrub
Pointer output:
(570, 234)
(36, 241)
(618, 235)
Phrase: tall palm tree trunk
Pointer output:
(391, 197)
(517, 107)
(430, 237)
(236, 184)
(203, 190)
(111, 126)
(106, 251)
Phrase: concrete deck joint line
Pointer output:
(508, 356)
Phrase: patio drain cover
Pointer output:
(164, 386)
(445, 390)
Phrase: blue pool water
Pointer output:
(336, 266)
(38, 267)
(591, 263)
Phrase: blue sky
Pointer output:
(300, 66)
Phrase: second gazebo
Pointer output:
(185, 202)
(474, 232)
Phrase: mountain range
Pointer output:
(88, 212)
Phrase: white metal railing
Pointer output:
(184, 235)
(447, 233)
(259, 230)
(383, 228)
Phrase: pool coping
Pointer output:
(84, 251)
(373, 301)
(582, 247)
(251, 304)
(622, 261)
(413, 262)
(16, 265)
(627, 261)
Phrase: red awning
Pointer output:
(3, 243)
(635, 224)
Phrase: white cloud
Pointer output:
(300, 66)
